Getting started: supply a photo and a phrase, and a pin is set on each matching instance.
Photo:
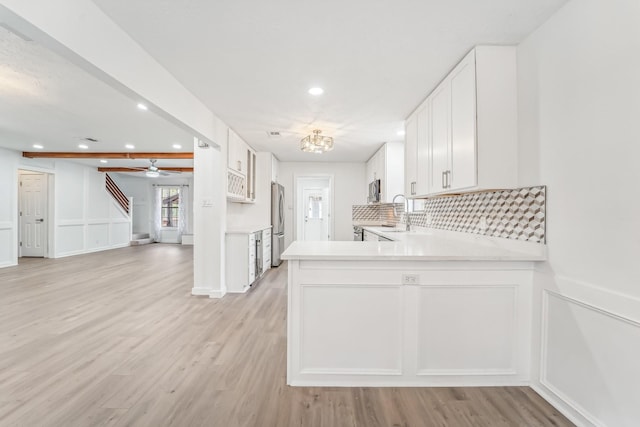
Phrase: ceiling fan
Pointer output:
(153, 171)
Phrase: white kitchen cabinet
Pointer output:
(423, 170)
(441, 136)
(266, 250)
(411, 154)
(237, 153)
(369, 170)
(241, 170)
(417, 151)
(251, 175)
(244, 265)
(470, 136)
(454, 130)
(387, 165)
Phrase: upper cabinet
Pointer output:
(387, 165)
(410, 154)
(463, 137)
(241, 170)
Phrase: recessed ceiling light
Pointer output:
(316, 91)
(83, 146)
(129, 146)
(38, 146)
(142, 106)
(103, 161)
(177, 146)
(400, 133)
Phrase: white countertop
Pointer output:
(422, 245)
(247, 229)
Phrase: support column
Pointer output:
(209, 216)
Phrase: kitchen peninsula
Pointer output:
(430, 308)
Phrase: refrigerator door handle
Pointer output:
(281, 213)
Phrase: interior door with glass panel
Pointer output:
(316, 224)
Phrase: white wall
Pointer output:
(349, 186)
(210, 216)
(141, 190)
(85, 217)
(579, 107)
(9, 207)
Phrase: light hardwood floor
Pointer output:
(115, 339)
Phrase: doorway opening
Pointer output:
(33, 214)
(314, 204)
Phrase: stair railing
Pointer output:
(117, 194)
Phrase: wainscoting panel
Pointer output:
(69, 239)
(97, 236)
(7, 243)
(480, 323)
(120, 233)
(329, 318)
(590, 360)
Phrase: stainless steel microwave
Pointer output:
(374, 191)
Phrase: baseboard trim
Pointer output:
(216, 294)
(206, 292)
(565, 408)
(8, 264)
(200, 292)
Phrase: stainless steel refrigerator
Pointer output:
(277, 222)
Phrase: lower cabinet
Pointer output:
(248, 257)
(266, 249)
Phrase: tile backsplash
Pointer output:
(518, 214)
(380, 212)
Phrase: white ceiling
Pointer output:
(44, 99)
(252, 61)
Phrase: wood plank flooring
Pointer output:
(115, 339)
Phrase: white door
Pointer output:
(313, 201)
(316, 222)
(33, 209)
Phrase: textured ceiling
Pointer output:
(46, 100)
(252, 61)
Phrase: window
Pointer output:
(315, 207)
(170, 197)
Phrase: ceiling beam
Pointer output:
(75, 155)
(142, 170)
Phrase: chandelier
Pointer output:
(316, 143)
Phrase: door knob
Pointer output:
(40, 220)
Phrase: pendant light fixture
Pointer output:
(316, 143)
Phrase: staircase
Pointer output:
(140, 239)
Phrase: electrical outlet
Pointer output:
(410, 279)
(429, 219)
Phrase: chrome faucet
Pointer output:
(406, 210)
